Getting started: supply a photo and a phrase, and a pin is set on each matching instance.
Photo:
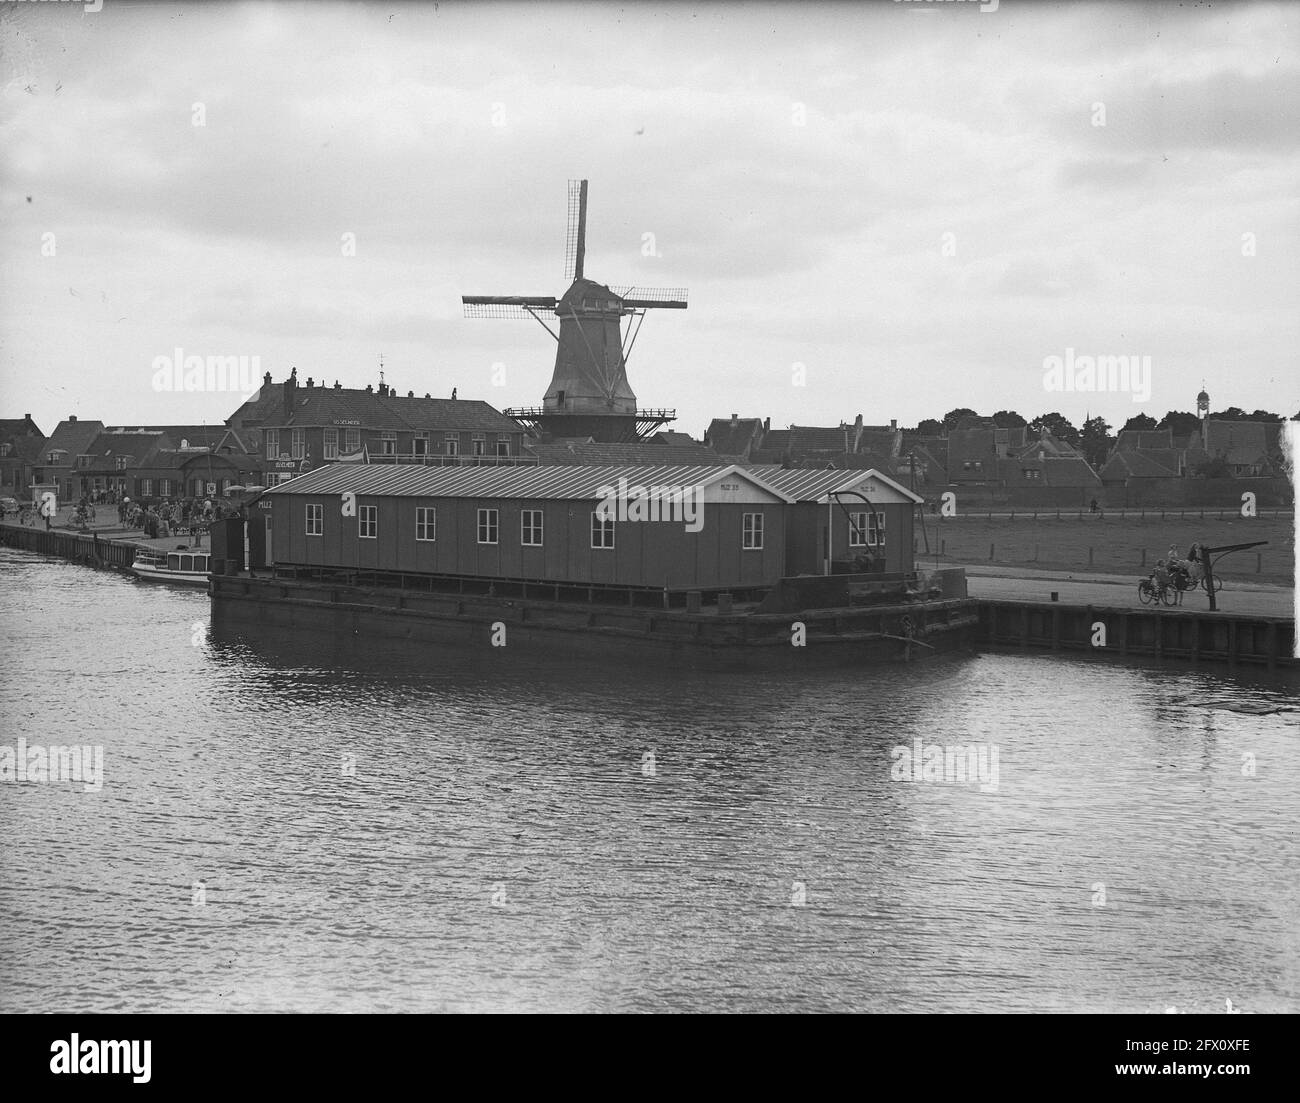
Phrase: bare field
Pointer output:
(1113, 543)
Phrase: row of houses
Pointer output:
(286, 429)
(978, 454)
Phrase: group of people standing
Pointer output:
(167, 518)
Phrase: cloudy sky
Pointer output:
(918, 203)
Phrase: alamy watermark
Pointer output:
(652, 503)
(45, 764)
(957, 765)
(178, 372)
(1099, 374)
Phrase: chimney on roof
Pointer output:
(857, 422)
(427, 395)
(893, 423)
(289, 386)
(266, 380)
(337, 385)
(734, 419)
(767, 424)
(410, 394)
(309, 381)
(369, 389)
(72, 417)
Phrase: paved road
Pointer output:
(1120, 590)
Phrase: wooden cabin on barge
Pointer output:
(727, 529)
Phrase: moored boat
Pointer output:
(185, 568)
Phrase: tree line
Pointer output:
(1094, 439)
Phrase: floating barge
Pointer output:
(692, 561)
(874, 624)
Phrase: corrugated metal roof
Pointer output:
(808, 485)
(558, 482)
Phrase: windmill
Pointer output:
(589, 395)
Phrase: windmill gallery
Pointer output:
(442, 550)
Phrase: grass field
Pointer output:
(1112, 543)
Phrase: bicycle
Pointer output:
(1149, 593)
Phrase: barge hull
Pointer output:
(871, 634)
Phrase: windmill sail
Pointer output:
(589, 394)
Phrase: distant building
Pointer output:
(21, 441)
(313, 425)
(58, 455)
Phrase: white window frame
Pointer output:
(602, 532)
(388, 443)
(867, 530)
(452, 444)
(331, 445)
(297, 443)
(272, 444)
(315, 519)
(351, 440)
(751, 532)
(503, 446)
(531, 524)
(489, 524)
(426, 522)
(368, 518)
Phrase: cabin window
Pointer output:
(388, 443)
(487, 526)
(120, 464)
(453, 445)
(753, 532)
(479, 444)
(368, 522)
(530, 528)
(426, 523)
(602, 531)
(867, 530)
(315, 519)
(331, 451)
(503, 446)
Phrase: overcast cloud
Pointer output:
(798, 166)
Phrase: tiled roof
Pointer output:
(884, 442)
(1238, 442)
(639, 452)
(450, 413)
(17, 427)
(562, 482)
(1129, 439)
(816, 438)
(733, 440)
(1134, 465)
(327, 406)
(73, 437)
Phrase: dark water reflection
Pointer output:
(376, 829)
